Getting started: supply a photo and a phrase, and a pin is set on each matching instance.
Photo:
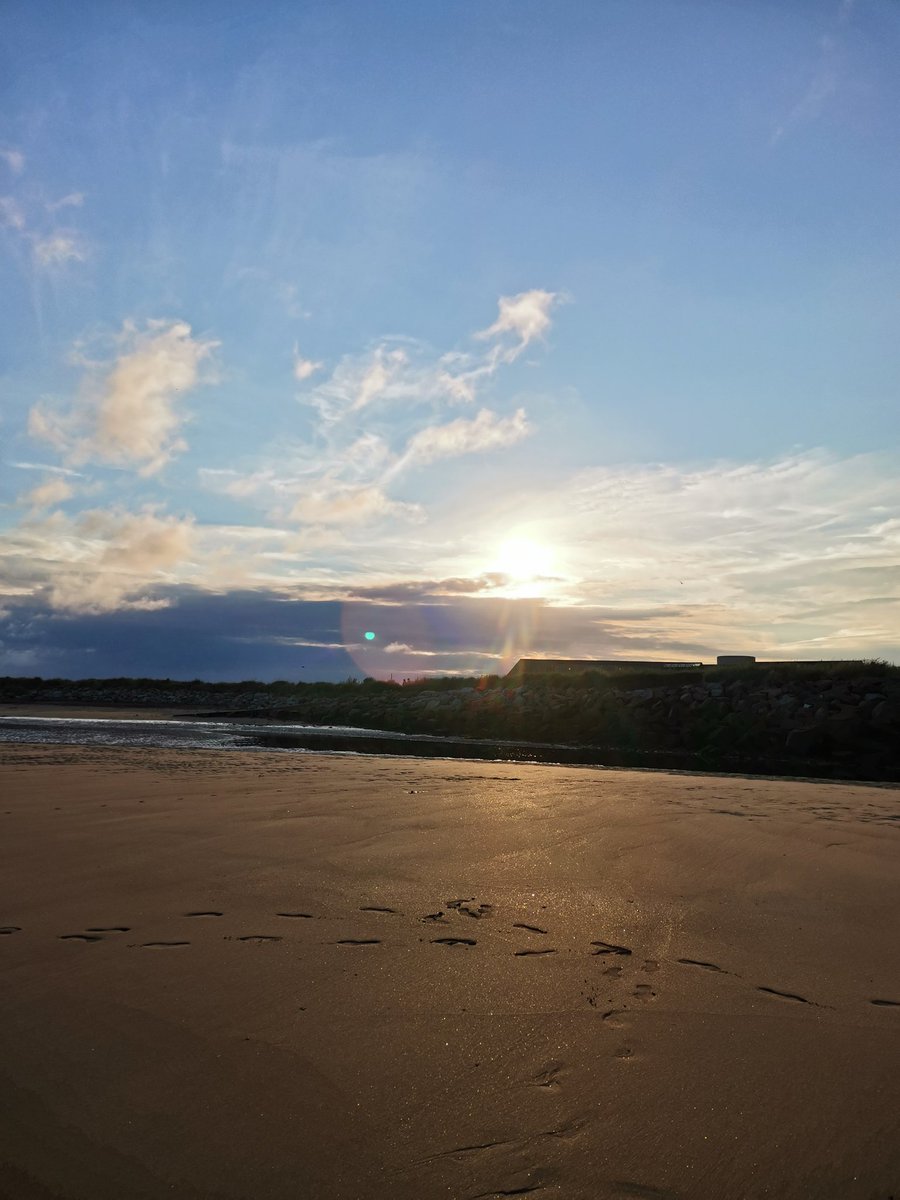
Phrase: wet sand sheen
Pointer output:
(282, 975)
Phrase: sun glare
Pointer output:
(523, 559)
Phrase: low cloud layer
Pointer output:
(100, 561)
(794, 558)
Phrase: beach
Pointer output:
(274, 975)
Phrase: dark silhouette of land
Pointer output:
(831, 720)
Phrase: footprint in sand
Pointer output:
(109, 928)
(644, 991)
(377, 908)
(359, 942)
(438, 916)
(162, 945)
(704, 966)
(783, 995)
(548, 1077)
(80, 937)
(609, 948)
(304, 916)
(531, 953)
(453, 941)
(258, 939)
(483, 910)
(530, 928)
(886, 1003)
(6, 930)
(211, 913)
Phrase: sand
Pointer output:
(285, 976)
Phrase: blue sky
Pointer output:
(494, 328)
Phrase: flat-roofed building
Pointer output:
(527, 668)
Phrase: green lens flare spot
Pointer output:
(370, 636)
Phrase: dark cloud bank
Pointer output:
(265, 636)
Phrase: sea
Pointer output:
(195, 734)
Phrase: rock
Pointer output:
(807, 741)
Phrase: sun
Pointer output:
(523, 559)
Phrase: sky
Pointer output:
(493, 328)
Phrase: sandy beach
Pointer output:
(277, 976)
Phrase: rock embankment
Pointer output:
(846, 725)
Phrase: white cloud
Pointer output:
(377, 376)
(128, 413)
(13, 158)
(342, 475)
(73, 200)
(11, 213)
(304, 367)
(30, 466)
(54, 248)
(525, 316)
(821, 86)
(59, 248)
(753, 556)
(98, 561)
(343, 504)
(48, 494)
(486, 431)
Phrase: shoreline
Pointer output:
(275, 734)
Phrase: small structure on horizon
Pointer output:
(735, 660)
(526, 667)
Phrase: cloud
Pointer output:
(11, 213)
(304, 367)
(384, 374)
(343, 504)
(59, 248)
(796, 557)
(525, 316)
(50, 250)
(128, 413)
(821, 86)
(73, 200)
(54, 248)
(51, 492)
(404, 372)
(99, 561)
(30, 466)
(13, 158)
(368, 426)
(484, 432)
(403, 591)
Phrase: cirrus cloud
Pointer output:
(486, 431)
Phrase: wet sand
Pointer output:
(277, 976)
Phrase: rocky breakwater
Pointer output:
(776, 719)
(842, 727)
